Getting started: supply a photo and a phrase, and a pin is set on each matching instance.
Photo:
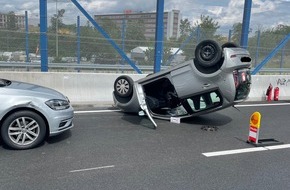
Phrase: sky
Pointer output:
(265, 14)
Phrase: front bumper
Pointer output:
(60, 121)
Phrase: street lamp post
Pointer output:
(56, 28)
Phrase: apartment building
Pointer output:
(4, 20)
(171, 21)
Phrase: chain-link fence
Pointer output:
(68, 44)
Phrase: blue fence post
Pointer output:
(43, 35)
(123, 41)
(159, 36)
(78, 42)
(246, 23)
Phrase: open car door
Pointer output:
(142, 102)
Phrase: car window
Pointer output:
(193, 104)
(204, 101)
(4, 82)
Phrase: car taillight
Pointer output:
(243, 74)
(242, 79)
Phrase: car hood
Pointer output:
(30, 89)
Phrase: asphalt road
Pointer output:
(113, 151)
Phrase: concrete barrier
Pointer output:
(80, 88)
(260, 84)
(97, 88)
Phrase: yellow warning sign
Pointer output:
(255, 120)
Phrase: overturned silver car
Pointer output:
(218, 77)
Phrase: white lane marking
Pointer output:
(253, 105)
(90, 169)
(96, 111)
(277, 147)
(236, 151)
(245, 150)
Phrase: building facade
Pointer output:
(171, 22)
(19, 21)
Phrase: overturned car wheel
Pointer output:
(208, 53)
(123, 86)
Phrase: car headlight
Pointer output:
(56, 104)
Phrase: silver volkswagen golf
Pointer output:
(29, 113)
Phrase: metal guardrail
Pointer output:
(274, 71)
(74, 67)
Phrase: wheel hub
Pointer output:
(122, 86)
(208, 52)
(23, 131)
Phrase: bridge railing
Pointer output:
(97, 68)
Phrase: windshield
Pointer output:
(242, 83)
(4, 82)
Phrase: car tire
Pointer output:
(123, 86)
(23, 130)
(208, 53)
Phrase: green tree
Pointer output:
(11, 21)
(89, 38)
(134, 35)
(236, 32)
(166, 52)
(105, 53)
(185, 27)
(56, 24)
(205, 28)
(11, 40)
(268, 40)
(150, 54)
(111, 28)
(56, 21)
(186, 30)
(208, 26)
